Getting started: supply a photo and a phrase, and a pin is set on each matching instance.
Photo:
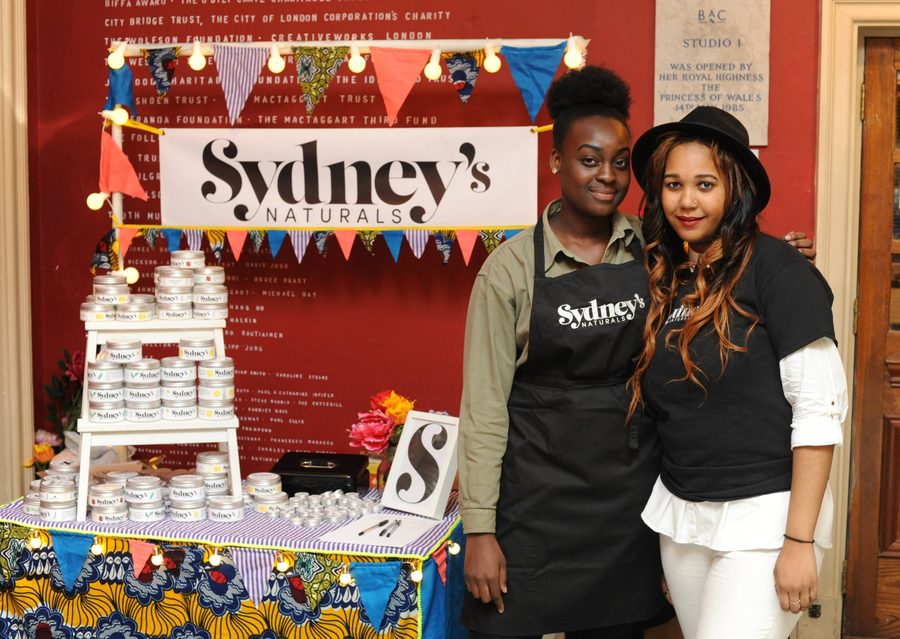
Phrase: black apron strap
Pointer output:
(539, 249)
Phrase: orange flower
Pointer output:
(43, 453)
(397, 406)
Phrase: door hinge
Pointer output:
(862, 101)
(844, 577)
(855, 314)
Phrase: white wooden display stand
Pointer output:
(194, 431)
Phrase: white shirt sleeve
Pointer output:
(815, 386)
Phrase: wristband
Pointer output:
(798, 540)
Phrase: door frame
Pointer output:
(844, 26)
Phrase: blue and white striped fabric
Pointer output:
(257, 530)
(194, 238)
(238, 69)
(299, 240)
(255, 568)
(417, 239)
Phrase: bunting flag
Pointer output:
(236, 242)
(256, 240)
(440, 561)
(216, 239)
(417, 239)
(150, 235)
(533, 69)
(397, 71)
(345, 240)
(435, 607)
(463, 68)
(466, 240)
(116, 173)
(121, 90)
(238, 69)
(511, 233)
(375, 582)
(71, 549)
(125, 237)
(394, 241)
(316, 66)
(194, 238)
(368, 239)
(161, 63)
(491, 238)
(106, 253)
(140, 554)
(321, 240)
(12, 544)
(173, 239)
(276, 239)
(255, 566)
(317, 573)
(299, 242)
(443, 240)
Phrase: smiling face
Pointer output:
(693, 194)
(593, 165)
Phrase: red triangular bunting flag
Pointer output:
(466, 240)
(236, 242)
(440, 560)
(345, 239)
(140, 553)
(397, 71)
(116, 173)
(126, 234)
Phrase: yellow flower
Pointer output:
(397, 406)
(43, 453)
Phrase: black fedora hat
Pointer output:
(710, 123)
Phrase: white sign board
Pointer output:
(717, 54)
(378, 179)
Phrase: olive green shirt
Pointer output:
(496, 344)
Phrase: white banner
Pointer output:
(382, 179)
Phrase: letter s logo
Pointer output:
(417, 486)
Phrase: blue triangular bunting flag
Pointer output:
(276, 238)
(173, 238)
(375, 582)
(121, 90)
(71, 550)
(394, 240)
(510, 233)
(533, 69)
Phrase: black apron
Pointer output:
(574, 477)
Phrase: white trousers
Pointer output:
(726, 594)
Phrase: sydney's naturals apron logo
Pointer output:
(596, 314)
(679, 314)
(351, 191)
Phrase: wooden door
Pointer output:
(872, 595)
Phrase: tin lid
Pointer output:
(120, 474)
(176, 306)
(186, 481)
(105, 385)
(173, 290)
(142, 404)
(58, 464)
(109, 490)
(145, 364)
(212, 381)
(196, 342)
(58, 505)
(214, 476)
(142, 482)
(134, 307)
(107, 405)
(180, 383)
(226, 502)
(150, 505)
(209, 307)
(32, 499)
(261, 479)
(209, 289)
(177, 362)
(56, 484)
(212, 456)
(175, 272)
(111, 289)
(210, 270)
(179, 403)
(271, 498)
(216, 403)
(96, 307)
(143, 297)
(111, 278)
(103, 365)
(110, 508)
(187, 254)
(188, 505)
(123, 344)
(219, 362)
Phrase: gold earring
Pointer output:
(554, 170)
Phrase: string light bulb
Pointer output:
(416, 575)
(215, 559)
(157, 558)
(492, 61)
(573, 58)
(453, 548)
(281, 563)
(345, 577)
(116, 59)
(97, 548)
(357, 63)
(119, 116)
(433, 68)
(132, 275)
(34, 540)
(197, 60)
(95, 201)
(276, 61)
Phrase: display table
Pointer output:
(203, 588)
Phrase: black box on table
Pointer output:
(317, 473)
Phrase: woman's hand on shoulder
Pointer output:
(796, 576)
(799, 241)
(485, 569)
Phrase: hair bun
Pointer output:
(590, 86)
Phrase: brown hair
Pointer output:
(723, 263)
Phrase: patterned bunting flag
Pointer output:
(321, 240)
(397, 71)
(238, 69)
(125, 236)
(394, 241)
(150, 236)
(254, 566)
(121, 90)
(318, 574)
(463, 67)
(368, 239)
(316, 66)
(71, 549)
(117, 175)
(256, 240)
(466, 240)
(491, 238)
(106, 253)
(375, 581)
(12, 543)
(417, 239)
(161, 63)
(173, 239)
(533, 69)
(194, 238)
(276, 238)
(299, 242)
(443, 240)
(236, 241)
(216, 239)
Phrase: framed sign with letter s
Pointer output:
(424, 466)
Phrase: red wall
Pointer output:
(365, 324)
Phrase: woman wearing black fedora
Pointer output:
(739, 361)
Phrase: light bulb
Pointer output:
(119, 116)
(492, 61)
(157, 558)
(416, 575)
(433, 68)
(34, 540)
(132, 275)
(97, 549)
(116, 59)
(215, 559)
(95, 201)
(282, 564)
(276, 61)
(345, 579)
(453, 548)
(197, 60)
(573, 58)
(357, 63)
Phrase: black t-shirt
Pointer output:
(734, 440)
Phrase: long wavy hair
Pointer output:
(718, 272)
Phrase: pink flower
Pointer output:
(42, 436)
(372, 431)
(75, 368)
